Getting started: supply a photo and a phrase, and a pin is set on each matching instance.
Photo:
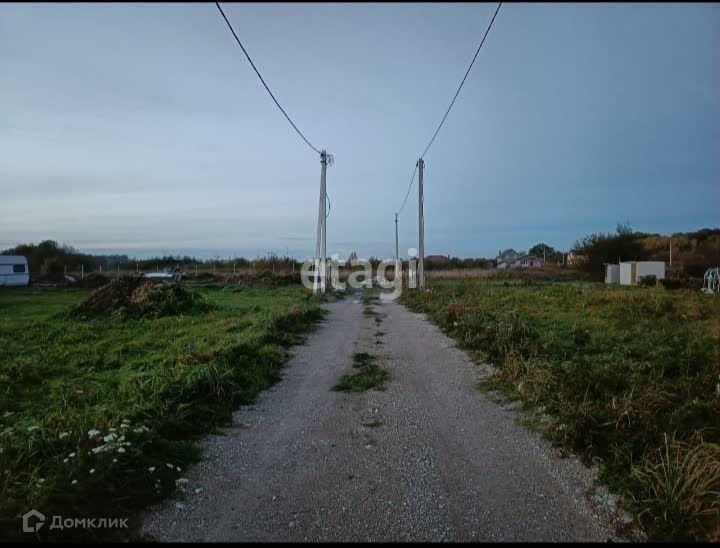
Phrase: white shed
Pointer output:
(14, 270)
(631, 272)
(612, 274)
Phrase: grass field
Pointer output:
(625, 377)
(98, 416)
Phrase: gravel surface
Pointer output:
(431, 458)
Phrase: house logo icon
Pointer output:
(27, 527)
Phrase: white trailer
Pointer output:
(612, 274)
(631, 272)
(14, 271)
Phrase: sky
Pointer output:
(142, 128)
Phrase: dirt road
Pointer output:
(431, 458)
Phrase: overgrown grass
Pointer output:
(98, 417)
(367, 375)
(619, 372)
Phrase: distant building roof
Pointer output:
(526, 257)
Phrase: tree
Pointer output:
(550, 254)
(601, 249)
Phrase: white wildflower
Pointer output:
(65, 460)
(33, 428)
(99, 449)
(114, 460)
(124, 425)
(64, 435)
(181, 481)
(93, 433)
(41, 480)
(71, 455)
(170, 466)
(109, 438)
(177, 468)
(92, 470)
(73, 482)
(121, 449)
(112, 429)
(151, 469)
(126, 421)
(7, 413)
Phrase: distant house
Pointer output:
(506, 258)
(529, 261)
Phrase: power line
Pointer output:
(408, 191)
(261, 78)
(463, 81)
(451, 105)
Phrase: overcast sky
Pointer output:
(142, 128)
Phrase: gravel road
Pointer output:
(431, 458)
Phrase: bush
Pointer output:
(648, 281)
(682, 283)
(600, 249)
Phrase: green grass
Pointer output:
(629, 377)
(170, 379)
(367, 375)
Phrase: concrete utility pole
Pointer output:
(421, 227)
(396, 240)
(670, 251)
(397, 255)
(321, 243)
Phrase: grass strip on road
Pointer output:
(367, 375)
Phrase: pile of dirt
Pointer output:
(138, 297)
(168, 299)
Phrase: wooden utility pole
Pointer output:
(421, 227)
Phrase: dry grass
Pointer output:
(680, 485)
(546, 273)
